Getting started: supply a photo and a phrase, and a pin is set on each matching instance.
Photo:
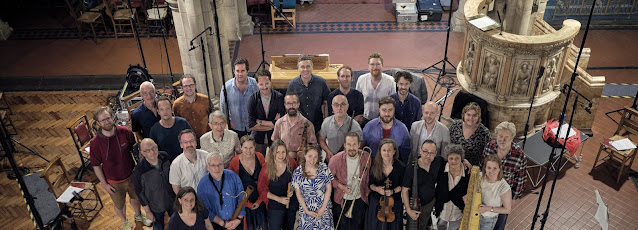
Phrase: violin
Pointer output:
(386, 212)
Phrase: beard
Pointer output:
(386, 120)
(108, 127)
(292, 112)
(352, 152)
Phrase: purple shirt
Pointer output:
(373, 134)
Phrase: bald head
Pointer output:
(148, 149)
(340, 106)
(147, 90)
(430, 110)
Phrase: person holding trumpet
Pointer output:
(350, 169)
(275, 188)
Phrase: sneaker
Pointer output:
(126, 225)
(578, 160)
(142, 218)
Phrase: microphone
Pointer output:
(500, 21)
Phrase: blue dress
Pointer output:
(313, 192)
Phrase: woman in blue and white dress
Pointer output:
(311, 181)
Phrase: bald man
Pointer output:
(429, 129)
(334, 128)
(145, 115)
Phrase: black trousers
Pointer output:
(358, 215)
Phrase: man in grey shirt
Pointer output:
(428, 129)
(334, 128)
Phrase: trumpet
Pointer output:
(357, 185)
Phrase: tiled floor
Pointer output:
(368, 28)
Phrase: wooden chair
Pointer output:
(288, 10)
(82, 16)
(121, 17)
(58, 179)
(81, 132)
(624, 158)
(157, 22)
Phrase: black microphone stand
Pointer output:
(448, 83)
(442, 71)
(560, 122)
(529, 113)
(136, 34)
(263, 51)
(221, 63)
(203, 49)
(281, 14)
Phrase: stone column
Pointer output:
(524, 10)
(458, 18)
(246, 25)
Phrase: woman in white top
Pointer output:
(496, 196)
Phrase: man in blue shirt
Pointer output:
(313, 92)
(387, 126)
(221, 191)
(408, 106)
(240, 88)
(355, 97)
(145, 115)
(165, 132)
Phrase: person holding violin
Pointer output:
(248, 165)
(385, 210)
(275, 189)
(311, 181)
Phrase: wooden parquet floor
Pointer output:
(40, 119)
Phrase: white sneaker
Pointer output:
(142, 218)
(578, 160)
(126, 225)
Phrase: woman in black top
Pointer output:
(248, 165)
(451, 188)
(430, 166)
(190, 212)
(273, 187)
(386, 166)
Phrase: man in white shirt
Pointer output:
(374, 86)
(189, 167)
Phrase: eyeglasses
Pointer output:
(150, 92)
(189, 86)
(339, 105)
(105, 120)
(149, 150)
(216, 165)
(189, 141)
(218, 124)
(428, 152)
(291, 103)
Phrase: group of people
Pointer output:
(297, 160)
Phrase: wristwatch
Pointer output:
(492, 209)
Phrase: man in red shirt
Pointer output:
(110, 155)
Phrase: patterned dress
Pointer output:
(313, 192)
(474, 145)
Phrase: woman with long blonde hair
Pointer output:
(311, 181)
(274, 179)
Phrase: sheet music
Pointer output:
(623, 144)
(602, 213)
(67, 195)
(484, 23)
(563, 131)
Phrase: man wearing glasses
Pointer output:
(221, 191)
(355, 98)
(113, 163)
(145, 115)
(189, 167)
(239, 90)
(192, 106)
(150, 178)
(334, 128)
(290, 127)
(374, 86)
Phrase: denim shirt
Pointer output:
(238, 103)
(373, 134)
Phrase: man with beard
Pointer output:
(264, 108)
(408, 106)
(189, 167)
(145, 115)
(165, 132)
(334, 128)
(113, 164)
(312, 91)
(355, 98)
(291, 126)
(348, 168)
(374, 86)
(387, 126)
(239, 90)
(429, 129)
(192, 106)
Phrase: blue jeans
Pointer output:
(159, 219)
(487, 223)
(500, 223)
